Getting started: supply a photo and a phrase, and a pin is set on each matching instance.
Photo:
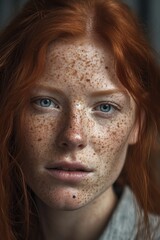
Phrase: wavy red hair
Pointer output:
(23, 47)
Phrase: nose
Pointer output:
(72, 135)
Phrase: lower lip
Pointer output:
(68, 176)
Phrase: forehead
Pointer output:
(81, 51)
(83, 59)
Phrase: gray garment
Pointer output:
(123, 223)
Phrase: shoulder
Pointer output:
(154, 224)
(124, 223)
(154, 228)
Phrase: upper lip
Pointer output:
(70, 166)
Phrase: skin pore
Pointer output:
(78, 113)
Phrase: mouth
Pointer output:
(69, 166)
(69, 172)
(68, 169)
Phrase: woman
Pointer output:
(79, 102)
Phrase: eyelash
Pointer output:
(111, 110)
(38, 102)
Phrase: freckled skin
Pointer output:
(98, 140)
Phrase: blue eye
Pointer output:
(46, 103)
(105, 107)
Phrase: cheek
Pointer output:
(110, 146)
(111, 139)
(38, 134)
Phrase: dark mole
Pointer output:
(74, 196)
(106, 67)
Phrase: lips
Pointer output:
(66, 166)
(69, 172)
(69, 169)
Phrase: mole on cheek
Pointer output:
(74, 196)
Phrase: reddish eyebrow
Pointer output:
(109, 92)
(93, 94)
(48, 88)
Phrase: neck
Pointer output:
(86, 223)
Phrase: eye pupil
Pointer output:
(105, 107)
(45, 102)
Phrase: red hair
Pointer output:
(23, 47)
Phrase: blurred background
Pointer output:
(147, 10)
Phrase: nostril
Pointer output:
(71, 141)
(80, 145)
(70, 144)
(64, 144)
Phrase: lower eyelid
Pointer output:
(111, 105)
(36, 100)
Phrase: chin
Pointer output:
(63, 200)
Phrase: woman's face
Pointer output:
(78, 125)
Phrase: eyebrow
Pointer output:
(48, 88)
(94, 94)
(109, 92)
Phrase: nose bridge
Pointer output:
(72, 134)
(76, 117)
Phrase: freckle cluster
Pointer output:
(76, 69)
